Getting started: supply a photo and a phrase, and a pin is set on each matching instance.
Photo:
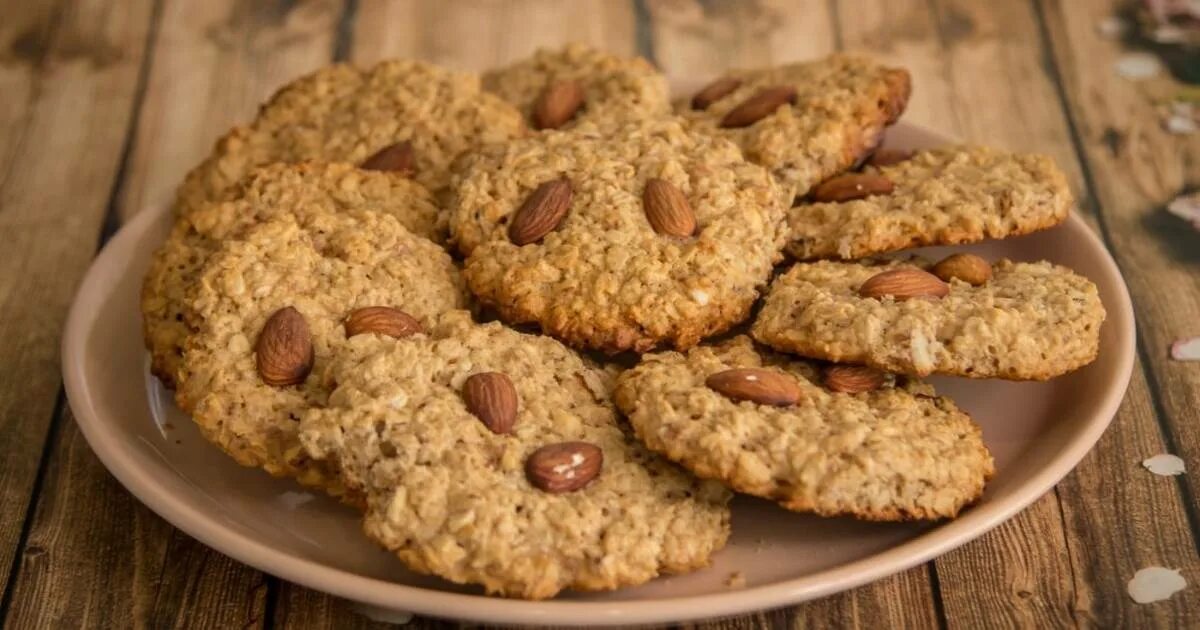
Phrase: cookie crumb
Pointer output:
(1165, 465)
(1154, 584)
(736, 580)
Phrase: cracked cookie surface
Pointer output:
(896, 453)
(304, 191)
(943, 196)
(604, 278)
(324, 268)
(451, 498)
(1031, 321)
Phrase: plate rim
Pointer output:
(393, 597)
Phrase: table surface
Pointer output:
(105, 104)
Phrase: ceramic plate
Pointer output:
(1037, 431)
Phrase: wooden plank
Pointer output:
(1136, 168)
(97, 558)
(216, 61)
(213, 62)
(478, 34)
(984, 61)
(68, 72)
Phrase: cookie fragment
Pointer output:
(894, 453)
(1031, 321)
(939, 197)
(661, 237)
(805, 122)
(315, 273)
(594, 511)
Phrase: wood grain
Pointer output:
(69, 76)
(97, 558)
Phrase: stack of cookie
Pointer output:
(509, 317)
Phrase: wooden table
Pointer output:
(105, 104)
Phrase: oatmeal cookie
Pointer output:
(606, 88)
(894, 452)
(467, 501)
(938, 197)
(347, 114)
(323, 270)
(804, 121)
(646, 236)
(1027, 321)
(306, 191)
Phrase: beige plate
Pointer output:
(1038, 432)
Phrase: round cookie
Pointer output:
(614, 89)
(893, 453)
(452, 498)
(804, 121)
(324, 269)
(305, 191)
(606, 278)
(342, 113)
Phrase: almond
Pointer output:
(541, 213)
(766, 387)
(904, 283)
(966, 267)
(284, 350)
(396, 157)
(759, 106)
(491, 397)
(888, 157)
(853, 379)
(383, 320)
(714, 92)
(557, 104)
(564, 467)
(850, 186)
(667, 209)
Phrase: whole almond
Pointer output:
(766, 387)
(850, 186)
(966, 267)
(714, 92)
(762, 104)
(557, 104)
(904, 283)
(396, 157)
(383, 320)
(541, 213)
(853, 379)
(564, 467)
(667, 209)
(491, 397)
(283, 353)
(888, 157)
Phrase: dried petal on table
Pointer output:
(1186, 207)
(1186, 349)
(1138, 65)
(1112, 27)
(1165, 464)
(1154, 584)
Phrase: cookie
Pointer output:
(804, 121)
(305, 191)
(342, 113)
(895, 451)
(560, 88)
(247, 381)
(476, 502)
(624, 240)
(1019, 321)
(938, 197)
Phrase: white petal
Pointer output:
(1186, 207)
(1186, 349)
(1138, 65)
(1112, 27)
(1154, 584)
(1165, 465)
